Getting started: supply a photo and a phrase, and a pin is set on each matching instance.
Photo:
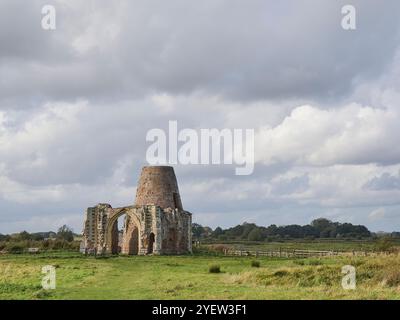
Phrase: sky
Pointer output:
(77, 102)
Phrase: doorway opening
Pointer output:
(125, 236)
(150, 245)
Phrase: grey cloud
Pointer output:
(293, 185)
(258, 51)
(386, 181)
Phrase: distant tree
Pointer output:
(24, 235)
(65, 233)
(37, 236)
(321, 224)
(310, 231)
(4, 237)
(327, 232)
(272, 230)
(292, 231)
(223, 237)
(235, 232)
(217, 232)
(247, 228)
(255, 235)
(207, 231)
(199, 231)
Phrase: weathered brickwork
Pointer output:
(155, 224)
(158, 186)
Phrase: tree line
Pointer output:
(63, 239)
(318, 228)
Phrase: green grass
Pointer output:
(301, 244)
(188, 277)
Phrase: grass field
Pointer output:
(187, 277)
(328, 244)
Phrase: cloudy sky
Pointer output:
(76, 104)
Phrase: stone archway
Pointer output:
(131, 236)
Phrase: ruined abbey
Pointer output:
(155, 224)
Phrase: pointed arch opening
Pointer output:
(123, 234)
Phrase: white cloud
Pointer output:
(352, 134)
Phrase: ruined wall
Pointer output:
(147, 230)
(156, 224)
(176, 238)
(95, 227)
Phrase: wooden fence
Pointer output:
(292, 253)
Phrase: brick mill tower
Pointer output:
(155, 224)
(158, 186)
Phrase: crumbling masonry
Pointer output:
(155, 224)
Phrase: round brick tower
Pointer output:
(158, 186)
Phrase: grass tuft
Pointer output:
(255, 264)
(393, 278)
(215, 268)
